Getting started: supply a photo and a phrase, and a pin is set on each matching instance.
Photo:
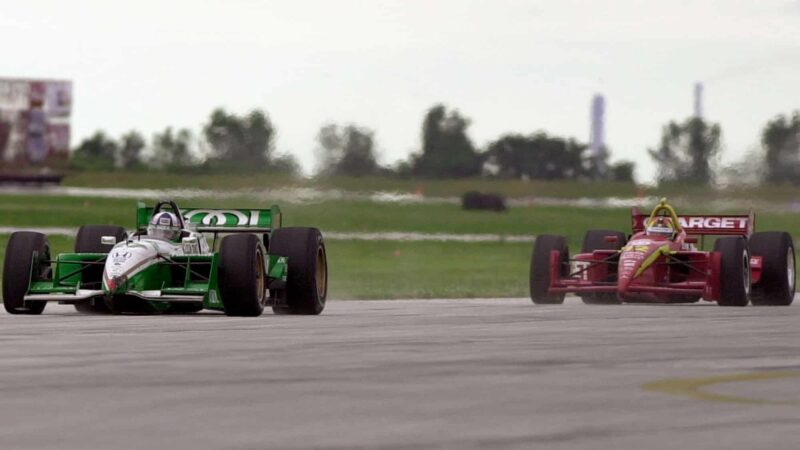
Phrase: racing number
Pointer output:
(583, 267)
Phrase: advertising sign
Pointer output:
(34, 121)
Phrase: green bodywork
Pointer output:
(175, 276)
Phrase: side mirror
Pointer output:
(108, 240)
(190, 245)
(611, 239)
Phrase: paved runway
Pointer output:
(406, 374)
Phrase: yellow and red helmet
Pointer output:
(660, 226)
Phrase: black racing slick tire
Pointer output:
(597, 240)
(540, 267)
(27, 259)
(307, 278)
(88, 241)
(734, 271)
(242, 275)
(777, 284)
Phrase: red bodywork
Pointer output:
(674, 270)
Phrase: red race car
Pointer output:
(661, 263)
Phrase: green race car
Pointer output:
(168, 265)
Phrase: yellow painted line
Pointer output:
(693, 387)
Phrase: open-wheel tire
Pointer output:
(596, 240)
(307, 278)
(27, 259)
(242, 275)
(88, 241)
(777, 284)
(540, 267)
(735, 271)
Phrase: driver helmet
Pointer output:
(661, 226)
(164, 225)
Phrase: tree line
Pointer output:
(688, 151)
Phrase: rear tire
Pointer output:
(307, 278)
(21, 267)
(540, 268)
(596, 240)
(735, 271)
(242, 275)
(777, 284)
(88, 241)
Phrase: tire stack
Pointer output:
(474, 200)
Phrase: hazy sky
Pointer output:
(510, 66)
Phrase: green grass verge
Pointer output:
(381, 269)
(357, 216)
(350, 216)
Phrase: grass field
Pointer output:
(338, 215)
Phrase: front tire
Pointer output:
(540, 267)
(26, 260)
(242, 275)
(735, 271)
(88, 241)
(777, 284)
(307, 279)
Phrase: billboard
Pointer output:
(34, 121)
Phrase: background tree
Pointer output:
(172, 150)
(245, 139)
(447, 151)
(97, 153)
(781, 142)
(622, 171)
(687, 151)
(130, 150)
(538, 156)
(346, 151)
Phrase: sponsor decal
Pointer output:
(212, 297)
(627, 266)
(634, 255)
(120, 257)
(223, 217)
(635, 248)
(725, 223)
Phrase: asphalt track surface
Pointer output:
(406, 374)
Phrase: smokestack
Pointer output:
(698, 100)
(597, 145)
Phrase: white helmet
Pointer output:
(164, 225)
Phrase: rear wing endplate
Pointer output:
(220, 220)
(709, 224)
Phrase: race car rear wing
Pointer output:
(220, 220)
(708, 224)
